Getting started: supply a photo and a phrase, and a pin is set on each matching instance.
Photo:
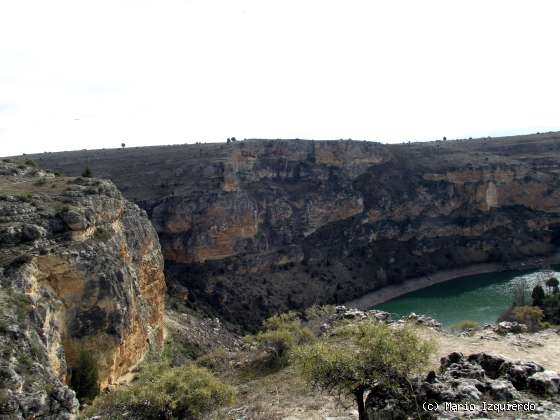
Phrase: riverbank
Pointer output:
(387, 293)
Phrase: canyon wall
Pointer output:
(259, 226)
(81, 270)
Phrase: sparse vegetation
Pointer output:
(217, 360)
(373, 357)
(465, 325)
(161, 392)
(280, 334)
(176, 352)
(549, 301)
(538, 295)
(528, 315)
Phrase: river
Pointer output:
(480, 298)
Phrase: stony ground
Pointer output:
(283, 395)
(541, 347)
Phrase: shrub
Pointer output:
(176, 352)
(528, 315)
(84, 378)
(465, 325)
(551, 308)
(319, 312)
(160, 392)
(279, 335)
(216, 360)
(552, 285)
(87, 173)
(375, 357)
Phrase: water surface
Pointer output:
(480, 298)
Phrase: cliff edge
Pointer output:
(81, 269)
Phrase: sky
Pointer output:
(93, 74)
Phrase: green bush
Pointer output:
(552, 285)
(216, 360)
(373, 356)
(465, 325)
(84, 380)
(317, 312)
(528, 315)
(551, 308)
(176, 352)
(279, 335)
(87, 173)
(160, 392)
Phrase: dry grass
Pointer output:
(31, 185)
(282, 395)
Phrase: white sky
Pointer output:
(89, 74)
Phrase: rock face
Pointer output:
(258, 226)
(80, 270)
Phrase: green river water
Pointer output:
(480, 298)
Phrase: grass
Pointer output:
(25, 363)
(465, 325)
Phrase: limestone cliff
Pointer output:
(260, 226)
(80, 269)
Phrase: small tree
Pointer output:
(84, 379)
(537, 295)
(552, 285)
(87, 173)
(123, 145)
(377, 357)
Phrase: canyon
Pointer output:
(254, 227)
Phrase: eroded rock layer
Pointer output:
(81, 270)
(260, 226)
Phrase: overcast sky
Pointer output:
(91, 74)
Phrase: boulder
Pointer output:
(519, 372)
(506, 327)
(502, 390)
(489, 362)
(544, 383)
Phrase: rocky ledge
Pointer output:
(80, 270)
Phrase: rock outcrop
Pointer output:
(81, 269)
(479, 385)
(261, 226)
